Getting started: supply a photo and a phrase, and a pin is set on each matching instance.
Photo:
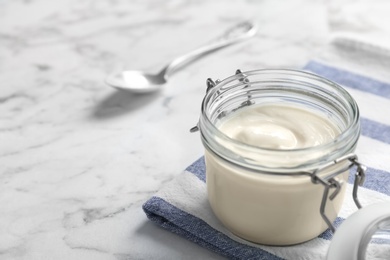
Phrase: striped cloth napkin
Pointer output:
(182, 206)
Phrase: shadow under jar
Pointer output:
(278, 196)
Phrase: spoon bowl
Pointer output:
(136, 81)
(142, 82)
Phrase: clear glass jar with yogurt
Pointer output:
(278, 148)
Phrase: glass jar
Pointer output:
(271, 196)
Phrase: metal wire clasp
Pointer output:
(329, 182)
(211, 83)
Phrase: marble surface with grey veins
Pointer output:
(78, 158)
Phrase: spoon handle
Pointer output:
(233, 35)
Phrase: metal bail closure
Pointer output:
(210, 84)
(330, 182)
(194, 129)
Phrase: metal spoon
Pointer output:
(142, 82)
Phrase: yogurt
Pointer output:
(271, 209)
(276, 126)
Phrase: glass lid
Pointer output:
(364, 235)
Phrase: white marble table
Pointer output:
(78, 158)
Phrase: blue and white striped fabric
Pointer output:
(182, 206)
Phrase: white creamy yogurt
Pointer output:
(283, 127)
(266, 208)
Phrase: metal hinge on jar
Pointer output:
(211, 84)
(330, 182)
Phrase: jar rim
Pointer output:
(353, 127)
